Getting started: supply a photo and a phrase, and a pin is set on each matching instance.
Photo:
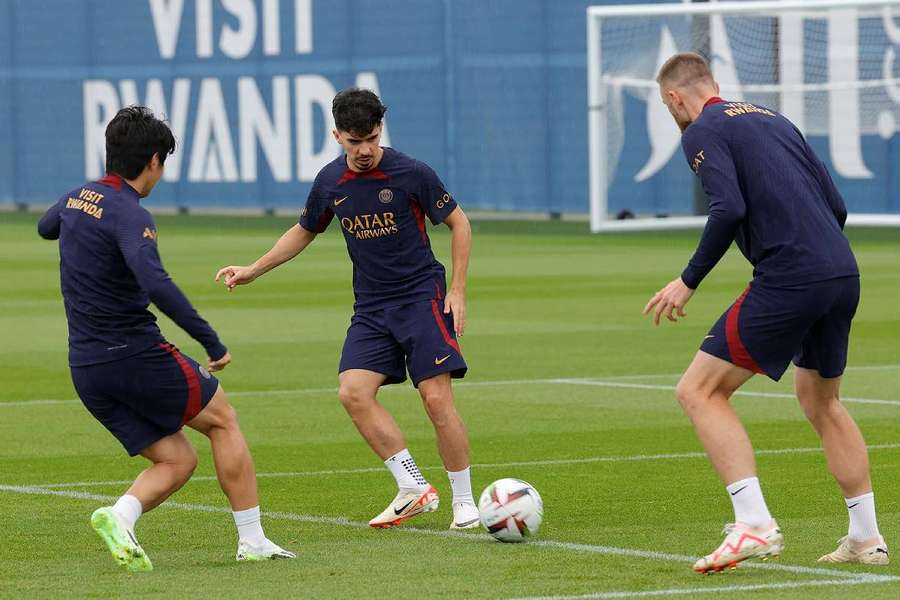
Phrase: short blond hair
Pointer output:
(684, 70)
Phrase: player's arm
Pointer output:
(135, 235)
(289, 245)
(48, 226)
(440, 207)
(832, 195)
(314, 219)
(460, 247)
(709, 156)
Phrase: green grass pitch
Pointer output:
(569, 388)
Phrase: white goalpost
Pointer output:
(830, 66)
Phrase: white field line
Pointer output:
(710, 590)
(669, 388)
(574, 547)
(520, 463)
(610, 381)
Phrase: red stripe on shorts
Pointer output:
(739, 354)
(440, 322)
(193, 407)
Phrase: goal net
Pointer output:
(828, 65)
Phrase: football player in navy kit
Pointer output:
(405, 319)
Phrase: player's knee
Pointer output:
(185, 465)
(439, 406)
(687, 394)
(820, 410)
(353, 397)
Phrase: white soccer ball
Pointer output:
(511, 510)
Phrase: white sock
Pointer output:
(461, 483)
(129, 509)
(406, 472)
(749, 505)
(249, 526)
(863, 525)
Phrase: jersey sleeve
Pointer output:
(48, 226)
(832, 195)
(136, 238)
(432, 196)
(317, 214)
(711, 160)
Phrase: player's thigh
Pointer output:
(428, 339)
(764, 327)
(708, 375)
(370, 346)
(824, 348)
(172, 449)
(218, 413)
(356, 386)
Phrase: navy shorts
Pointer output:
(417, 336)
(145, 397)
(768, 326)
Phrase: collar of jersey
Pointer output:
(118, 183)
(713, 100)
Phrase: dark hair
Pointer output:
(357, 111)
(132, 138)
(685, 69)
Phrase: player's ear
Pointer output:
(336, 135)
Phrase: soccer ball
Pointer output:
(511, 510)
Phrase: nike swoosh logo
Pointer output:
(853, 505)
(339, 202)
(467, 523)
(402, 508)
(440, 361)
(709, 336)
(739, 491)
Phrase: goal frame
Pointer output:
(597, 100)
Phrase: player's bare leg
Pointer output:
(231, 456)
(174, 460)
(704, 392)
(357, 393)
(848, 461)
(453, 446)
(237, 477)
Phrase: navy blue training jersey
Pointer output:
(769, 192)
(382, 214)
(110, 271)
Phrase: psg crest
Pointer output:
(386, 195)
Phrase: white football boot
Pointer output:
(465, 516)
(742, 542)
(406, 505)
(847, 552)
(268, 550)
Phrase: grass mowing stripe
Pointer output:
(518, 463)
(613, 381)
(709, 590)
(345, 522)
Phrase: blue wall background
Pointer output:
(491, 94)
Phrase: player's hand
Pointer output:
(217, 365)
(233, 276)
(670, 300)
(455, 303)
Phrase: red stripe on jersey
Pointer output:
(713, 100)
(440, 322)
(420, 219)
(373, 174)
(112, 180)
(193, 407)
(739, 353)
